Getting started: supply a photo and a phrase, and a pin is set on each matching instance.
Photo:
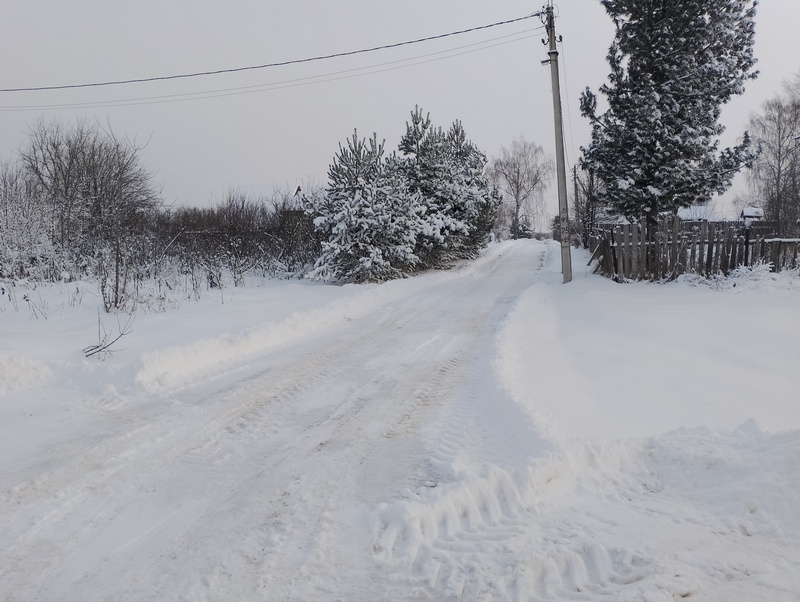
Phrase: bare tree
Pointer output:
(774, 177)
(522, 173)
(584, 205)
(792, 88)
(98, 193)
(52, 159)
(294, 242)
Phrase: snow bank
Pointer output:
(530, 338)
(492, 496)
(169, 368)
(630, 360)
(755, 278)
(19, 373)
(602, 520)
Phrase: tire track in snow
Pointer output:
(263, 511)
(81, 499)
(439, 545)
(496, 476)
(289, 547)
(349, 435)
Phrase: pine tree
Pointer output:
(367, 218)
(382, 218)
(674, 63)
(473, 201)
(446, 170)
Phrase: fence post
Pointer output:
(776, 255)
(673, 252)
(725, 255)
(683, 253)
(731, 249)
(608, 253)
(627, 242)
(713, 251)
(642, 250)
(701, 259)
(747, 247)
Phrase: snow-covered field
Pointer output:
(485, 433)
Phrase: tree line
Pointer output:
(78, 204)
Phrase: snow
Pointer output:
(752, 213)
(480, 433)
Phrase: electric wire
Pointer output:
(265, 65)
(569, 112)
(291, 83)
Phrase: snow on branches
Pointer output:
(674, 63)
(367, 220)
(383, 217)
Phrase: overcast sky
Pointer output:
(278, 127)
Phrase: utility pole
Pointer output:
(561, 174)
(577, 204)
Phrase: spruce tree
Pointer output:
(674, 63)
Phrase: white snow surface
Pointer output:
(485, 433)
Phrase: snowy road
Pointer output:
(252, 488)
(387, 456)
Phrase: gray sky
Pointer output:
(279, 127)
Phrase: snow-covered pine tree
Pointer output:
(366, 218)
(673, 64)
(473, 201)
(445, 170)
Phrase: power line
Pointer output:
(569, 112)
(290, 83)
(267, 65)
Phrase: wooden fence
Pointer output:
(625, 252)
